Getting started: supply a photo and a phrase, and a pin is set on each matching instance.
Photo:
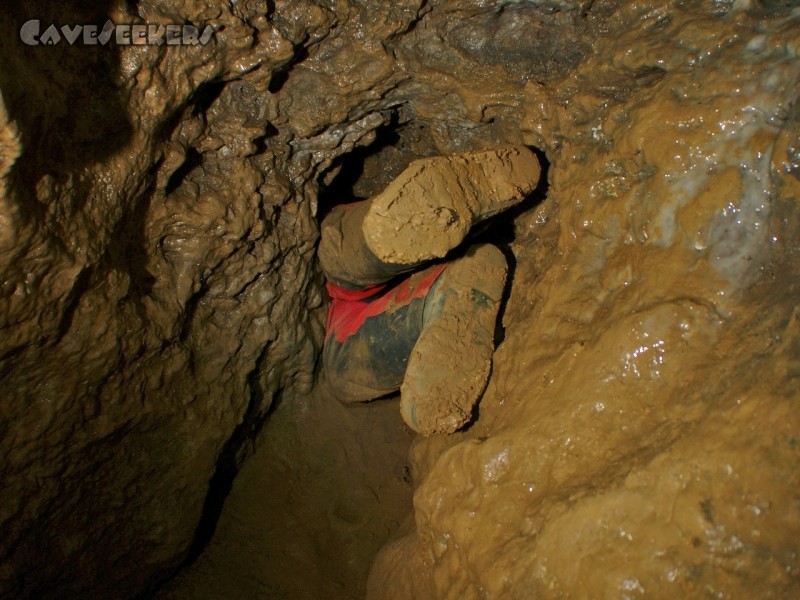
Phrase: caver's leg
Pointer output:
(424, 213)
(368, 341)
(431, 206)
(343, 253)
(450, 364)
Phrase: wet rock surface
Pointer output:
(651, 338)
(158, 223)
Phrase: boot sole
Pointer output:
(432, 205)
(450, 364)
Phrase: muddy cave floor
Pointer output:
(326, 487)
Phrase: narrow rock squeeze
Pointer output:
(571, 230)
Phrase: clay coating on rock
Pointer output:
(639, 434)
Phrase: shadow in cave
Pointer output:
(350, 168)
(64, 98)
(500, 232)
(230, 459)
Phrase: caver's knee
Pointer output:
(343, 253)
(349, 379)
(331, 252)
(366, 355)
(346, 391)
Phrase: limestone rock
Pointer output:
(158, 223)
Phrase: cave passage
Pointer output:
(162, 307)
(328, 483)
(327, 486)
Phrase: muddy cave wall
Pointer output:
(157, 239)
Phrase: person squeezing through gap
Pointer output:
(401, 318)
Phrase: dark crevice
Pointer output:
(129, 254)
(11, 354)
(200, 101)
(412, 25)
(189, 311)
(351, 168)
(72, 301)
(499, 231)
(230, 459)
(133, 6)
(239, 295)
(499, 330)
(260, 142)
(648, 76)
(193, 160)
(205, 95)
(280, 77)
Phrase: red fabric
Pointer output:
(350, 308)
(340, 293)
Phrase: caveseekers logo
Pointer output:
(33, 34)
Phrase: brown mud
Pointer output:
(450, 364)
(328, 485)
(432, 205)
(160, 292)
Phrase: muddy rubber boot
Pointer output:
(431, 206)
(343, 253)
(449, 365)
